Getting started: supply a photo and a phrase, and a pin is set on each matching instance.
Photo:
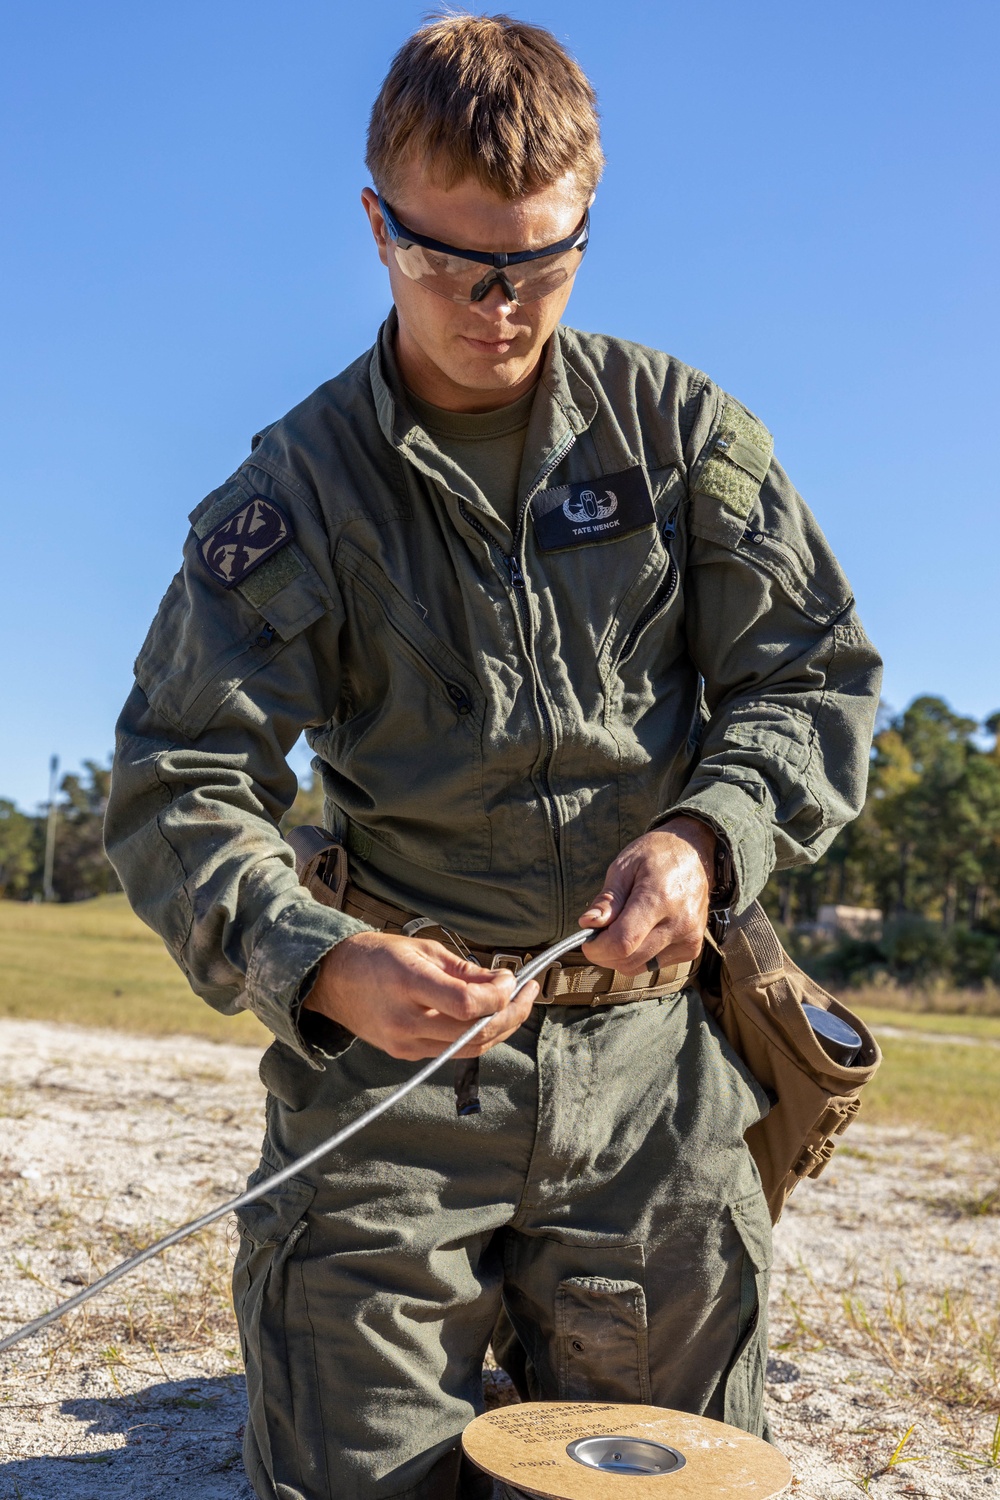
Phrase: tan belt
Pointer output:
(322, 868)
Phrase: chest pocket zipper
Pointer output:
(664, 593)
(460, 698)
(457, 695)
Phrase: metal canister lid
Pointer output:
(626, 1455)
(838, 1040)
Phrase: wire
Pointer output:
(525, 975)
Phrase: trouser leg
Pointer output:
(366, 1295)
(634, 1256)
(636, 1268)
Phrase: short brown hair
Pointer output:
(486, 97)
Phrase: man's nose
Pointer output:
(496, 303)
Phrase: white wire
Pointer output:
(525, 975)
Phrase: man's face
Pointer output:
(474, 356)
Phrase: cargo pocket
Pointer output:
(743, 1383)
(602, 1338)
(270, 1229)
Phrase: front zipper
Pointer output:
(519, 590)
(664, 594)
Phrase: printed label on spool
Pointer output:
(537, 1450)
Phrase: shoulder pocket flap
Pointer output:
(748, 456)
(738, 461)
(205, 647)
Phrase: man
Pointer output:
(569, 649)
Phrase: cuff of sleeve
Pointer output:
(739, 820)
(281, 970)
(323, 1037)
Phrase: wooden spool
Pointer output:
(526, 1448)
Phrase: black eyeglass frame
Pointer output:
(498, 260)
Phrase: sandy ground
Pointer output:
(885, 1311)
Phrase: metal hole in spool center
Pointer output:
(626, 1455)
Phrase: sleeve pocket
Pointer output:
(205, 643)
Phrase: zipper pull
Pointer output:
(266, 636)
(460, 698)
(670, 525)
(516, 576)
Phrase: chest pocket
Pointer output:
(407, 751)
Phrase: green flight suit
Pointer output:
(493, 717)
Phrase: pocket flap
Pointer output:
(601, 1327)
(271, 1219)
(753, 1225)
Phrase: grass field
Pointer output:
(954, 1089)
(948, 1024)
(94, 963)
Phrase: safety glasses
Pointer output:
(524, 275)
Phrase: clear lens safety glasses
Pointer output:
(467, 275)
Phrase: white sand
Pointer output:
(107, 1140)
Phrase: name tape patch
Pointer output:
(594, 510)
(244, 539)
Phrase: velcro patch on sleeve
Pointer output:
(594, 510)
(738, 462)
(243, 539)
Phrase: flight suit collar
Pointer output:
(565, 406)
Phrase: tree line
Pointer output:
(81, 868)
(925, 852)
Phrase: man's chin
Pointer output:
(488, 372)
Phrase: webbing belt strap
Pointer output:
(570, 982)
(322, 868)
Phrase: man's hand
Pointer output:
(411, 997)
(655, 899)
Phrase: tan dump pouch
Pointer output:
(756, 995)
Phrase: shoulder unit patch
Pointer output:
(243, 539)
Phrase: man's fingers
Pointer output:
(464, 998)
(601, 910)
(643, 931)
(438, 1030)
(412, 997)
(663, 942)
(605, 907)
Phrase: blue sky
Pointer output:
(800, 199)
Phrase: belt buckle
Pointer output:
(512, 961)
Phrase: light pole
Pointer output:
(48, 892)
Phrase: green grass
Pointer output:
(951, 1023)
(95, 964)
(950, 1088)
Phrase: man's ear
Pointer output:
(369, 200)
